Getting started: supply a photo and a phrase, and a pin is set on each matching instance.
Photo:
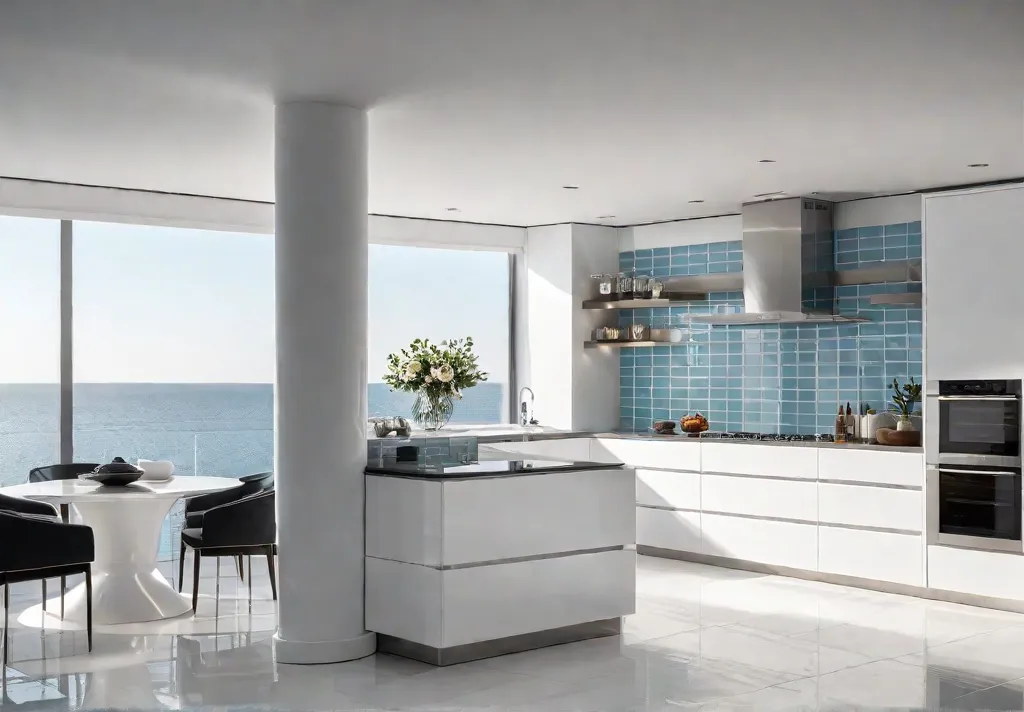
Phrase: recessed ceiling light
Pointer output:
(605, 217)
(977, 165)
(452, 210)
(571, 187)
(767, 160)
(772, 194)
(695, 201)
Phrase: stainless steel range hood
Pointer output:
(788, 257)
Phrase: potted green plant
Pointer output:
(437, 375)
(905, 397)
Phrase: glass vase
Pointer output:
(432, 412)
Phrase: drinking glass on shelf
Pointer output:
(625, 286)
(641, 285)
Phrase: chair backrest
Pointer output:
(69, 471)
(249, 521)
(25, 506)
(260, 482)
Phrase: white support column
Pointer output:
(320, 422)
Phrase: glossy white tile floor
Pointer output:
(702, 637)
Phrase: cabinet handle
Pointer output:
(979, 398)
(996, 473)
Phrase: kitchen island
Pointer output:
(471, 561)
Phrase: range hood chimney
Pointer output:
(788, 251)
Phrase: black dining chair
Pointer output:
(49, 473)
(40, 509)
(57, 549)
(196, 507)
(68, 471)
(240, 528)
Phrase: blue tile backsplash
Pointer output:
(787, 378)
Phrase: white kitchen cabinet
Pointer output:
(983, 573)
(760, 540)
(679, 454)
(668, 529)
(760, 460)
(871, 466)
(663, 488)
(782, 499)
(881, 507)
(973, 251)
(882, 556)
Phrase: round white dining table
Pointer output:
(126, 524)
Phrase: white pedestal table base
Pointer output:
(127, 587)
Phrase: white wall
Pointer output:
(855, 213)
(681, 232)
(548, 340)
(877, 211)
(576, 389)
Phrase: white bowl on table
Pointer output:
(156, 470)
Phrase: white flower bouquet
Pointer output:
(437, 375)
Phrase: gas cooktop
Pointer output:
(766, 437)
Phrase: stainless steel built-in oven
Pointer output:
(973, 434)
(976, 507)
(978, 423)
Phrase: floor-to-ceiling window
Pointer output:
(438, 294)
(174, 347)
(29, 346)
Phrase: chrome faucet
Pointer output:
(526, 411)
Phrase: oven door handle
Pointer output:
(979, 398)
(995, 473)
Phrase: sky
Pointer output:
(170, 305)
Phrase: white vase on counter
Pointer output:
(905, 423)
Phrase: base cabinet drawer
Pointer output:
(663, 488)
(882, 556)
(881, 507)
(667, 529)
(760, 540)
(983, 573)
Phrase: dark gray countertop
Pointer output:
(483, 470)
(705, 441)
(626, 435)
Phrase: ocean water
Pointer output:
(208, 429)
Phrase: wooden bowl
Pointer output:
(904, 438)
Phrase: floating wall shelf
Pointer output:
(911, 299)
(624, 344)
(668, 300)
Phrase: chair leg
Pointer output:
(65, 513)
(249, 557)
(44, 602)
(63, 590)
(240, 566)
(181, 568)
(88, 606)
(196, 556)
(273, 574)
(7, 607)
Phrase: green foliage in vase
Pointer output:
(906, 397)
(434, 371)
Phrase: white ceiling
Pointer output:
(491, 106)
